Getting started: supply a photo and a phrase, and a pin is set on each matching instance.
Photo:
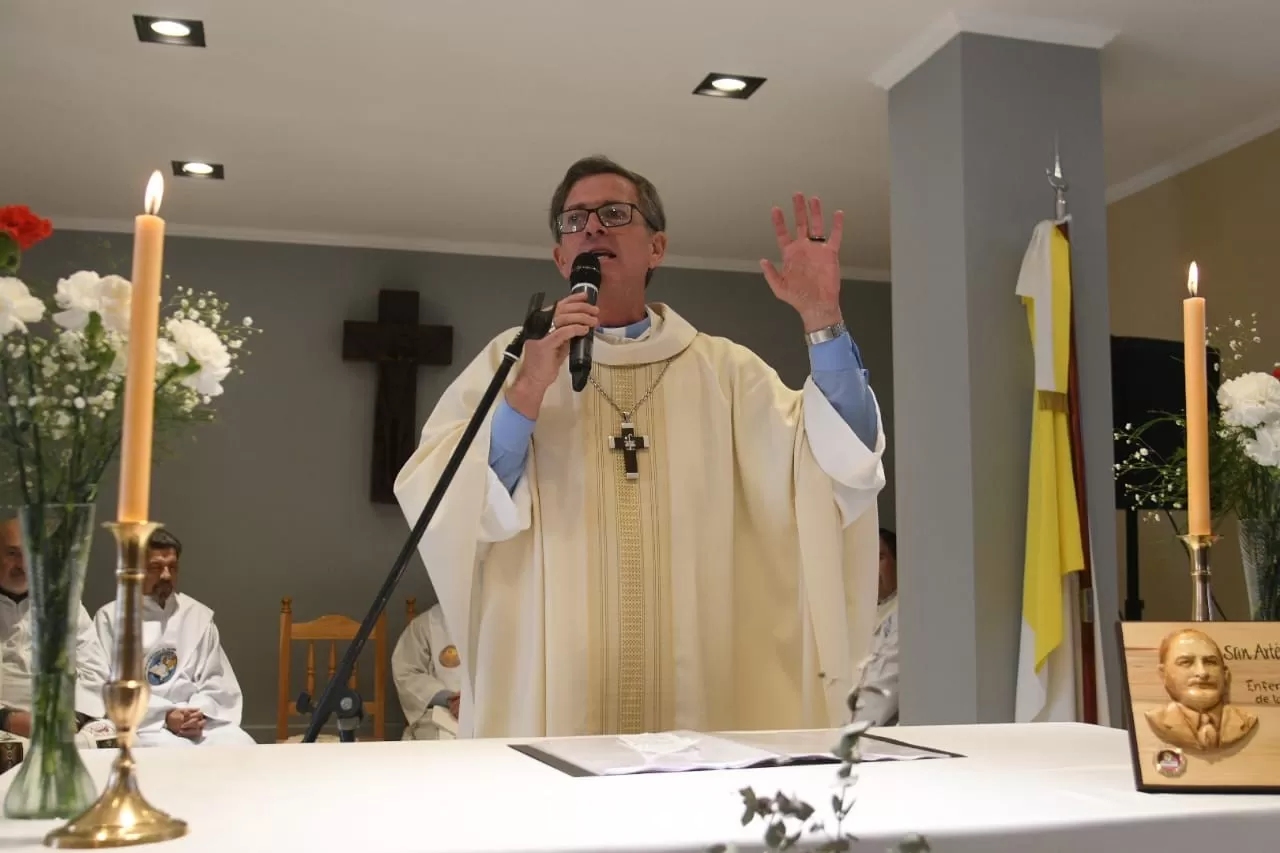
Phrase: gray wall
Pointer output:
(936, 512)
(270, 500)
(972, 133)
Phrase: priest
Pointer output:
(425, 667)
(195, 697)
(15, 644)
(879, 702)
(684, 543)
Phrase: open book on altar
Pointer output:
(680, 751)
(444, 722)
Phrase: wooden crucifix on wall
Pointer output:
(399, 346)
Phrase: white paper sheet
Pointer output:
(817, 744)
(445, 722)
(664, 752)
(671, 752)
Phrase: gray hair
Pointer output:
(647, 198)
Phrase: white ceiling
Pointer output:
(445, 124)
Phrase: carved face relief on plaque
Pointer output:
(1197, 681)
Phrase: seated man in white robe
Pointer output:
(195, 698)
(880, 703)
(15, 646)
(425, 666)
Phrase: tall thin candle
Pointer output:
(140, 381)
(1194, 359)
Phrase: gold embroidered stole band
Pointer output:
(631, 663)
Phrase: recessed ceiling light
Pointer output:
(198, 169)
(178, 31)
(738, 86)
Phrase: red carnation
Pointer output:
(23, 226)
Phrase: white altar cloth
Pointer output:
(1022, 789)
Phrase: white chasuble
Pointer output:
(710, 563)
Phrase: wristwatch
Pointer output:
(829, 333)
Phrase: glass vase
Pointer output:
(52, 781)
(1260, 554)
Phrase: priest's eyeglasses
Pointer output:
(612, 215)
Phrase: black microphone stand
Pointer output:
(337, 694)
(350, 711)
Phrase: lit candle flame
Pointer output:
(155, 190)
(1193, 279)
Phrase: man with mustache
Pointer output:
(15, 644)
(684, 543)
(1197, 680)
(195, 698)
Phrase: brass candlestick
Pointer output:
(1198, 544)
(122, 817)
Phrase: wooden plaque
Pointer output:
(1204, 705)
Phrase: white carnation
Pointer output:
(117, 304)
(17, 306)
(197, 343)
(1250, 400)
(86, 293)
(168, 354)
(1264, 447)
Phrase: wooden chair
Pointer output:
(333, 628)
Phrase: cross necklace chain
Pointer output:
(627, 441)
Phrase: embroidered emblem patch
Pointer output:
(449, 657)
(161, 665)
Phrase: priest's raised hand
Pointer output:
(810, 277)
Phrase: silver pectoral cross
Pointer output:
(628, 443)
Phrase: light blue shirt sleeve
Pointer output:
(511, 431)
(837, 371)
(509, 444)
(839, 374)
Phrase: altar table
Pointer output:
(1020, 789)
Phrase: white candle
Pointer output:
(1197, 390)
(140, 381)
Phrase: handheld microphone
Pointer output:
(584, 278)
